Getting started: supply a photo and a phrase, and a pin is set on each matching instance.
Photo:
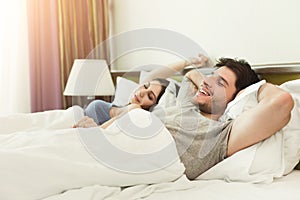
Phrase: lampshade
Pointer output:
(89, 77)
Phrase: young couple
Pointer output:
(202, 140)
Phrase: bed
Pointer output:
(42, 157)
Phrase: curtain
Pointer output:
(61, 31)
(45, 79)
(83, 25)
(14, 62)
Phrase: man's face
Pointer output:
(216, 91)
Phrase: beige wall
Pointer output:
(261, 31)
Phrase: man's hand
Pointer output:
(200, 61)
(85, 122)
(196, 77)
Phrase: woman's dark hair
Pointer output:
(164, 84)
(242, 69)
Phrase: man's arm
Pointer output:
(196, 77)
(271, 114)
(171, 69)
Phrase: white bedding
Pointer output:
(286, 187)
(48, 157)
(43, 158)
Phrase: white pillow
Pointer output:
(124, 90)
(143, 76)
(254, 164)
(243, 101)
(292, 129)
(291, 132)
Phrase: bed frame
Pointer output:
(278, 73)
(273, 73)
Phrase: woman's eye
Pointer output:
(151, 97)
(147, 85)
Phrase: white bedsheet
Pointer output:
(283, 188)
(286, 187)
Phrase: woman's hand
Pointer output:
(85, 122)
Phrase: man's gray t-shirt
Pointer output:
(201, 142)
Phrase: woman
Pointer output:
(98, 112)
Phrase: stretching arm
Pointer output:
(196, 77)
(171, 69)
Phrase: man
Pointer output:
(201, 139)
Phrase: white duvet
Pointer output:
(45, 157)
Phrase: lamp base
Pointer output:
(84, 101)
(88, 100)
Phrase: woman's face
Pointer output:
(146, 95)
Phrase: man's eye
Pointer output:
(221, 83)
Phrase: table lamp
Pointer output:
(90, 78)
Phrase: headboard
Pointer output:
(278, 73)
(273, 73)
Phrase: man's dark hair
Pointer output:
(242, 69)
